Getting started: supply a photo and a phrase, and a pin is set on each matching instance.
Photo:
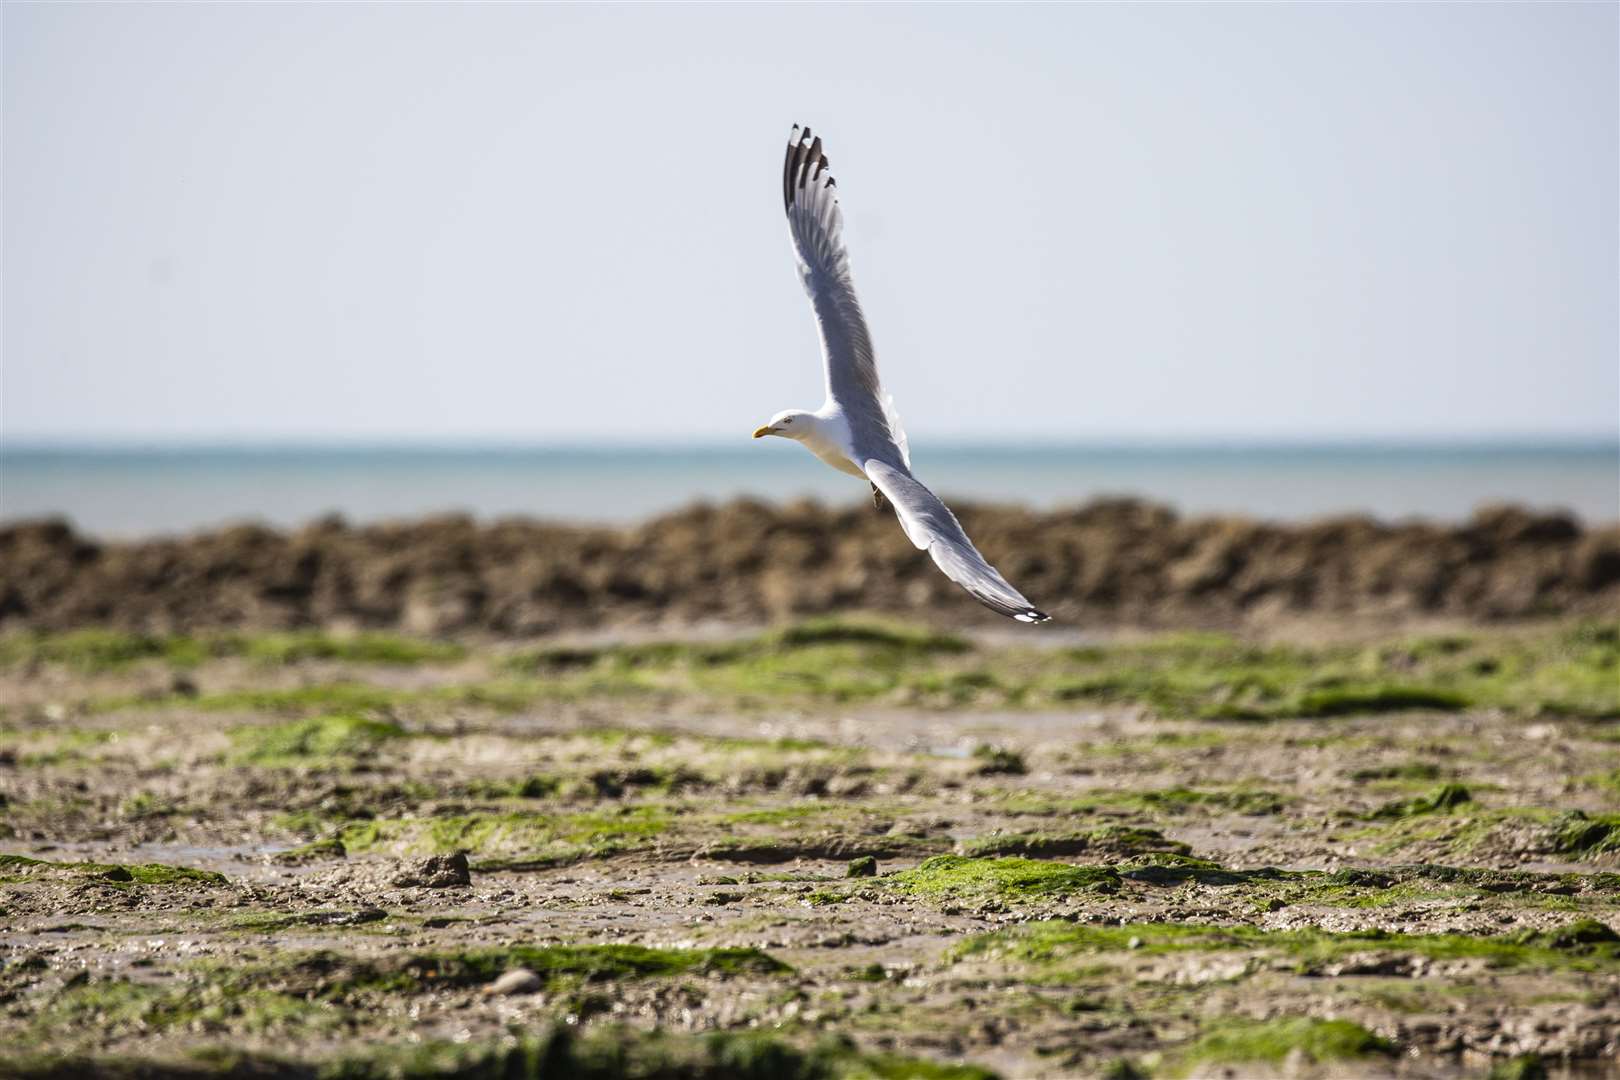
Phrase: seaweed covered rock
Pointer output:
(1113, 562)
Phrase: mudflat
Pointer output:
(833, 848)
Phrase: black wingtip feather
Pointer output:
(805, 163)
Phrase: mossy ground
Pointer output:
(317, 739)
(1274, 1041)
(1585, 945)
(1567, 671)
(96, 651)
(836, 849)
(605, 1053)
(20, 868)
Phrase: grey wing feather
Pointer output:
(930, 525)
(809, 195)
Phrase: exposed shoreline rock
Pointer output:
(1111, 563)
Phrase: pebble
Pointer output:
(515, 981)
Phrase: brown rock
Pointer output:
(438, 872)
(1114, 562)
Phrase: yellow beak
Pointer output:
(761, 432)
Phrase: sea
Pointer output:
(136, 491)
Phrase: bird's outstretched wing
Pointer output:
(931, 526)
(810, 197)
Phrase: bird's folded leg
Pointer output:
(878, 501)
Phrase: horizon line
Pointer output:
(302, 443)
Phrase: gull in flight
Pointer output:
(857, 431)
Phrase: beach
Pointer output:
(749, 790)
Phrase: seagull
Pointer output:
(857, 430)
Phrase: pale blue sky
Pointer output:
(563, 223)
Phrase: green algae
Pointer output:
(830, 846)
(790, 814)
(337, 698)
(1576, 937)
(1247, 801)
(957, 877)
(19, 868)
(1567, 671)
(95, 651)
(326, 848)
(69, 746)
(537, 839)
(1120, 998)
(1410, 770)
(1239, 1042)
(1523, 1067)
(1572, 671)
(366, 648)
(610, 1052)
(145, 804)
(499, 696)
(560, 967)
(870, 634)
(1585, 946)
(271, 924)
(1388, 697)
(1196, 676)
(1170, 868)
(319, 738)
(1115, 839)
(1606, 782)
(1440, 800)
(838, 659)
(325, 989)
(1198, 739)
(1271, 888)
(1576, 833)
(1213, 677)
(120, 1007)
(517, 838)
(1468, 828)
(349, 981)
(608, 783)
(1405, 884)
(998, 761)
(162, 874)
(1171, 801)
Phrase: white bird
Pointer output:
(857, 431)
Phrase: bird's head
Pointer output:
(789, 423)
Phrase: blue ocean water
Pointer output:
(133, 491)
